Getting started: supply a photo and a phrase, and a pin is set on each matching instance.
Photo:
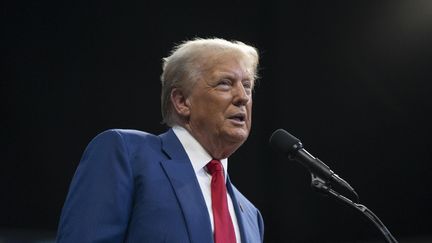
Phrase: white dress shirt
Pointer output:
(199, 159)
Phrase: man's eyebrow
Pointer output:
(224, 74)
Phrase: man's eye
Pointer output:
(247, 85)
(224, 82)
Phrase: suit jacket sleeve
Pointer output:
(260, 225)
(98, 204)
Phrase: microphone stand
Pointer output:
(322, 186)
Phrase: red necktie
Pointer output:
(223, 226)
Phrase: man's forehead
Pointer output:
(229, 64)
(234, 73)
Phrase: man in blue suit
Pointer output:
(133, 186)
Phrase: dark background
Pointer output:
(351, 79)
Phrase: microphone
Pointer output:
(286, 143)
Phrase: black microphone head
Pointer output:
(283, 141)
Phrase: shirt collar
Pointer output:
(198, 156)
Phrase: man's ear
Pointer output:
(180, 103)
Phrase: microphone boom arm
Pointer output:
(322, 186)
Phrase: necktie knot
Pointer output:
(214, 166)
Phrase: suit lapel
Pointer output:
(183, 180)
(238, 208)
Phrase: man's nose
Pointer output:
(241, 95)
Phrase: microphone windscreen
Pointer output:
(283, 141)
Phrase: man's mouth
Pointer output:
(240, 117)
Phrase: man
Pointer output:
(132, 186)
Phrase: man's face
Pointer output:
(221, 102)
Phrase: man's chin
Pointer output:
(238, 136)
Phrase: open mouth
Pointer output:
(238, 117)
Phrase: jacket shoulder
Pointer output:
(129, 139)
(126, 133)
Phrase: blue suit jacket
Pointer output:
(132, 186)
